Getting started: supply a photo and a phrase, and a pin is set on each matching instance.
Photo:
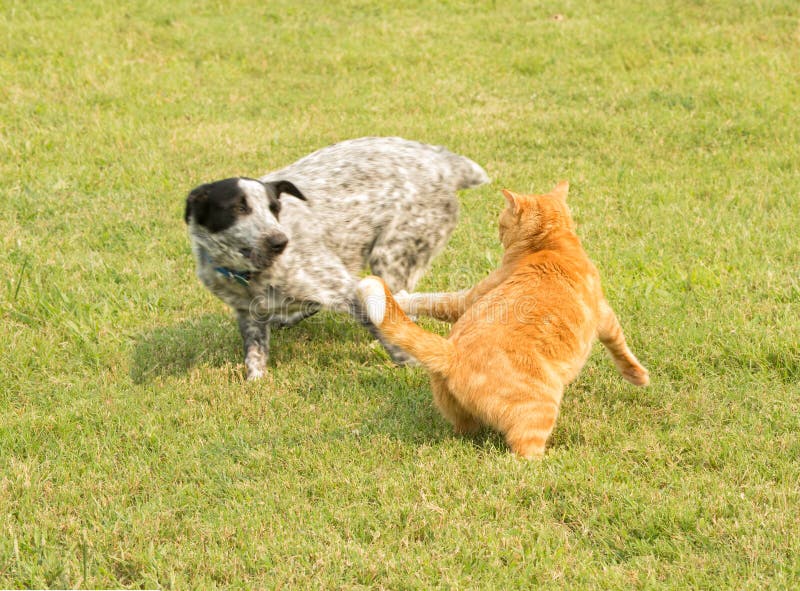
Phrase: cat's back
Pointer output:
(547, 307)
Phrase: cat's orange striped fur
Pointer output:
(520, 336)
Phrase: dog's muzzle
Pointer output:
(276, 242)
(268, 249)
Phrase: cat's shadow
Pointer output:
(424, 425)
(405, 412)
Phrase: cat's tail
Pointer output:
(434, 352)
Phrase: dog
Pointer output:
(280, 248)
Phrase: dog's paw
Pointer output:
(399, 357)
(255, 374)
(256, 369)
(407, 362)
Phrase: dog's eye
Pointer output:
(242, 208)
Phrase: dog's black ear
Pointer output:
(286, 187)
(196, 205)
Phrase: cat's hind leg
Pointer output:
(524, 411)
(610, 334)
(529, 425)
(451, 409)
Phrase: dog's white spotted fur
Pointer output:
(386, 203)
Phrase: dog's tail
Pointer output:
(431, 350)
(468, 173)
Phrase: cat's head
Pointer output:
(528, 217)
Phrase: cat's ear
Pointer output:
(514, 200)
(561, 190)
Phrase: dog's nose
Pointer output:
(277, 242)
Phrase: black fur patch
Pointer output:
(276, 189)
(218, 205)
(284, 187)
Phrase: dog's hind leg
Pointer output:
(331, 286)
(405, 250)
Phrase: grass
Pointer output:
(133, 454)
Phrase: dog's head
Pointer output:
(236, 221)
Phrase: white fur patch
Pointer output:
(373, 299)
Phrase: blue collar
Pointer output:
(241, 277)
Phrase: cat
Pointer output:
(520, 336)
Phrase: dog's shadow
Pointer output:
(174, 350)
(213, 340)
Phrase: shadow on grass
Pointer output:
(407, 413)
(172, 350)
(404, 407)
(213, 340)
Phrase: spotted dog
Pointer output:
(279, 248)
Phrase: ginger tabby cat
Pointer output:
(520, 336)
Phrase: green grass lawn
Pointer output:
(132, 452)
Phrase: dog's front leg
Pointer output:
(255, 335)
